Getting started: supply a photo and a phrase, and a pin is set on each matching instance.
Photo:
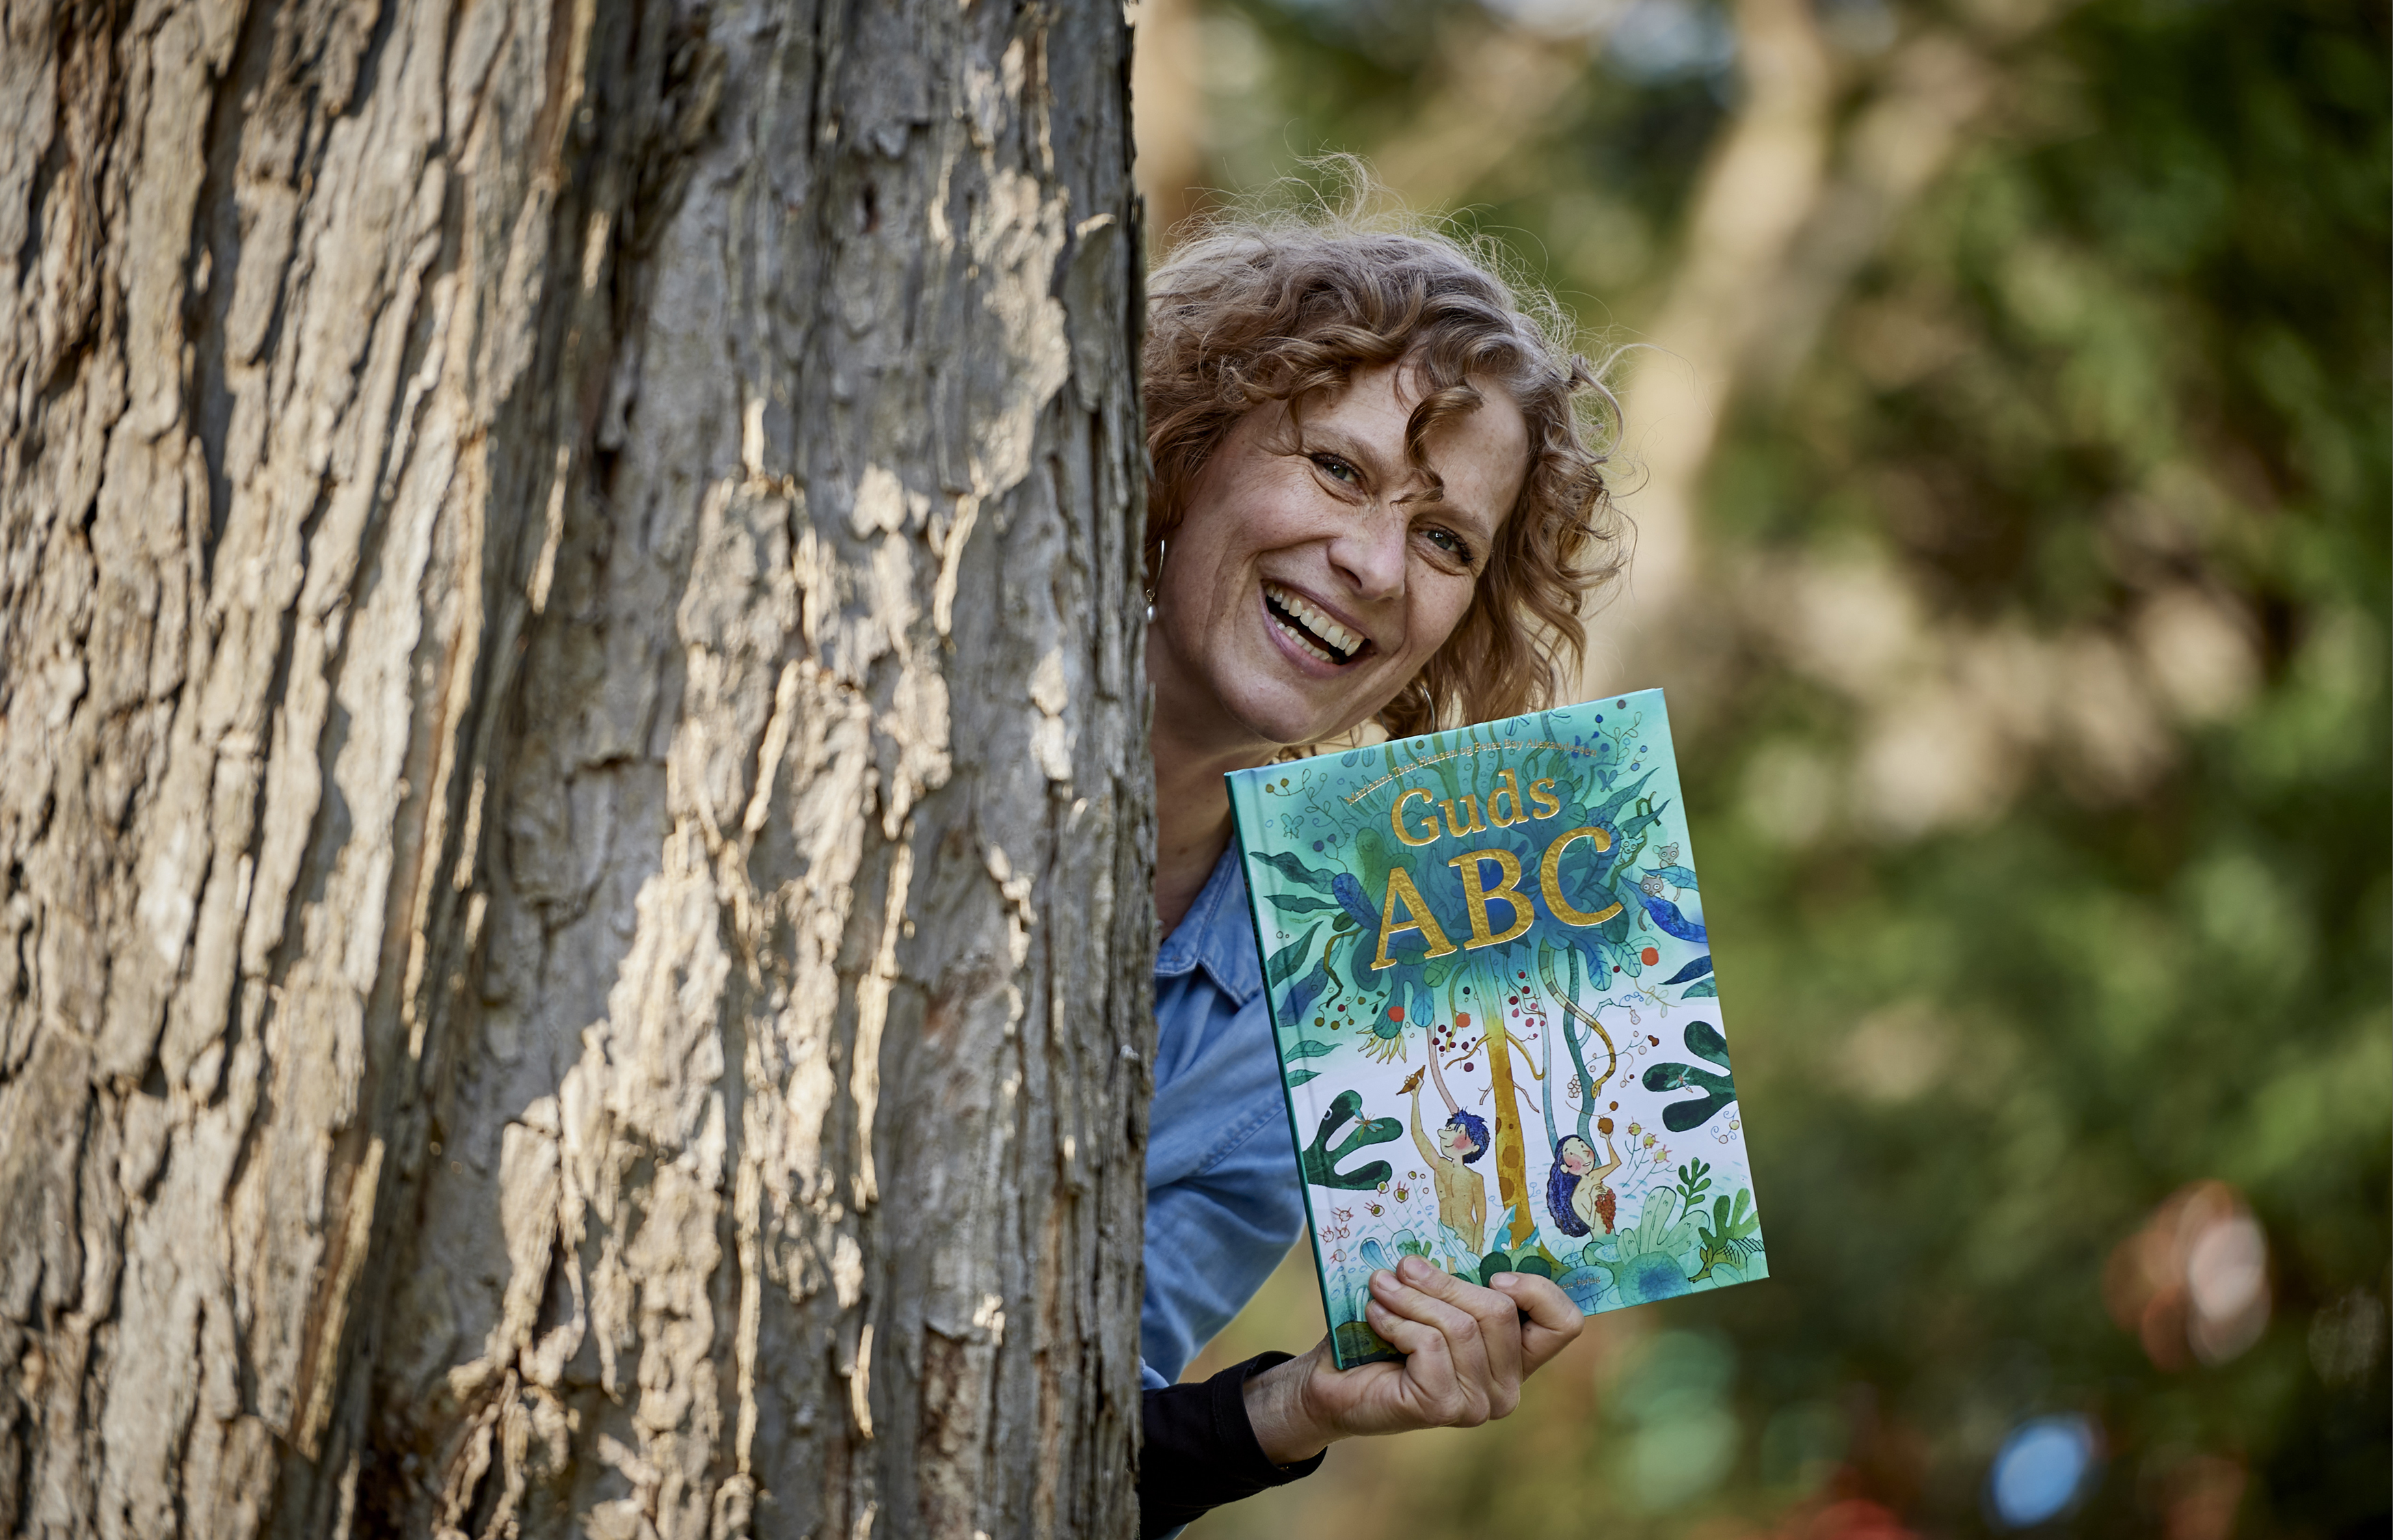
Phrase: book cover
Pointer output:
(1491, 989)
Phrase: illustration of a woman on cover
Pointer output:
(1375, 498)
(1576, 1194)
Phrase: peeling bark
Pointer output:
(573, 943)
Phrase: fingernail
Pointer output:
(1412, 1267)
(1383, 1279)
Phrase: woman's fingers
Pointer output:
(1554, 1320)
(1467, 1349)
(1482, 1341)
(1427, 1359)
(1449, 1380)
(1426, 1389)
(1496, 1320)
(1499, 1326)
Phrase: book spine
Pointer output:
(1246, 820)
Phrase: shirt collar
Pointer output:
(1217, 935)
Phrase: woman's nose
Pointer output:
(1369, 553)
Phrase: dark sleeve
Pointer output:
(1200, 1451)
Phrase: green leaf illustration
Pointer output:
(1284, 961)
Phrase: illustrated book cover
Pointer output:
(1492, 993)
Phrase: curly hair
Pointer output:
(1263, 308)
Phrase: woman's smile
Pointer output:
(1312, 627)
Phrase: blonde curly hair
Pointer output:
(1262, 307)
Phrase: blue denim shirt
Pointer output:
(1223, 1199)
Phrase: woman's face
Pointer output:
(1314, 573)
(1578, 1158)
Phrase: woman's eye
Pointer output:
(1331, 465)
(1451, 544)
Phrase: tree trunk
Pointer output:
(1512, 1144)
(573, 952)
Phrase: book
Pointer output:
(1492, 993)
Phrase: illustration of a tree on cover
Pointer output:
(1548, 889)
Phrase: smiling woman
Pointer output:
(1374, 497)
(1325, 568)
(1298, 336)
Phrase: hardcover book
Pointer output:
(1492, 993)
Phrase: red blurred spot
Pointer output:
(1853, 1518)
(1395, 1012)
(2202, 1496)
(1649, 957)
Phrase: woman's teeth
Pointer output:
(1308, 628)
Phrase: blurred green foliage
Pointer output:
(2110, 394)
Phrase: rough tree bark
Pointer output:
(574, 818)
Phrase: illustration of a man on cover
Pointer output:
(1461, 1140)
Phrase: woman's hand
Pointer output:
(1466, 1349)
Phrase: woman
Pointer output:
(1576, 1194)
(1371, 500)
